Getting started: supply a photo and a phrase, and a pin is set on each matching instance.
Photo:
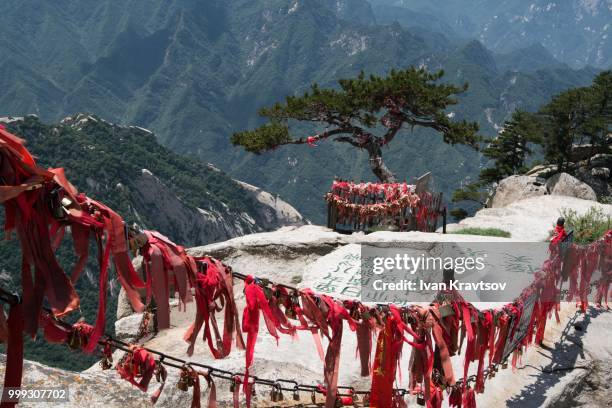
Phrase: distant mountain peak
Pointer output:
(475, 52)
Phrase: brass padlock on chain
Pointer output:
(276, 394)
(366, 400)
(183, 382)
(75, 340)
(296, 393)
(106, 363)
(158, 371)
(355, 313)
(294, 302)
(273, 394)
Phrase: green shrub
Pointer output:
(588, 227)
(489, 232)
(605, 199)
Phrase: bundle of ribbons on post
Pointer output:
(41, 205)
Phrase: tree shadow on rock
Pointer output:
(563, 358)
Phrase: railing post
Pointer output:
(444, 221)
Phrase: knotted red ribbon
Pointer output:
(388, 351)
(137, 368)
(336, 313)
(212, 287)
(256, 302)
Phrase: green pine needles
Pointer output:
(366, 112)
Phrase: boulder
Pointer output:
(124, 308)
(601, 160)
(585, 151)
(273, 212)
(516, 188)
(600, 172)
(85, 389)
(542, 170)
(566, 185)
(127, 328)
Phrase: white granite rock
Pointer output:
(515, 188)
(530, 219)
(565, 185)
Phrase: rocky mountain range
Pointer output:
(195, 72)
(576, 32)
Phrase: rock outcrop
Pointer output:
(303, 256)
(529, 219)
(298, 256)
(177, 218)
(590, 179)
(86, 389)
(565, 185)
(516, 188)
(596, 173)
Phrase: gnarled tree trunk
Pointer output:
(376, 163)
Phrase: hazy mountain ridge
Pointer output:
(576, 32)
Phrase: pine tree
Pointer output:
(567, 119)
(367, 113)
(508, 151)
(511, 147)
(576, 116)
(599, 125)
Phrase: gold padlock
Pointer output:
(273, 394)
(296, 394)
(290, 312)
(182, 383)
(104, 364)
(75, 340)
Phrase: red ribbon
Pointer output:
(335, 315)
(215, 285)
(138, 368)
(255, 302)
(386, 359)
(14, 352)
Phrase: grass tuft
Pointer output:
(488, 232)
